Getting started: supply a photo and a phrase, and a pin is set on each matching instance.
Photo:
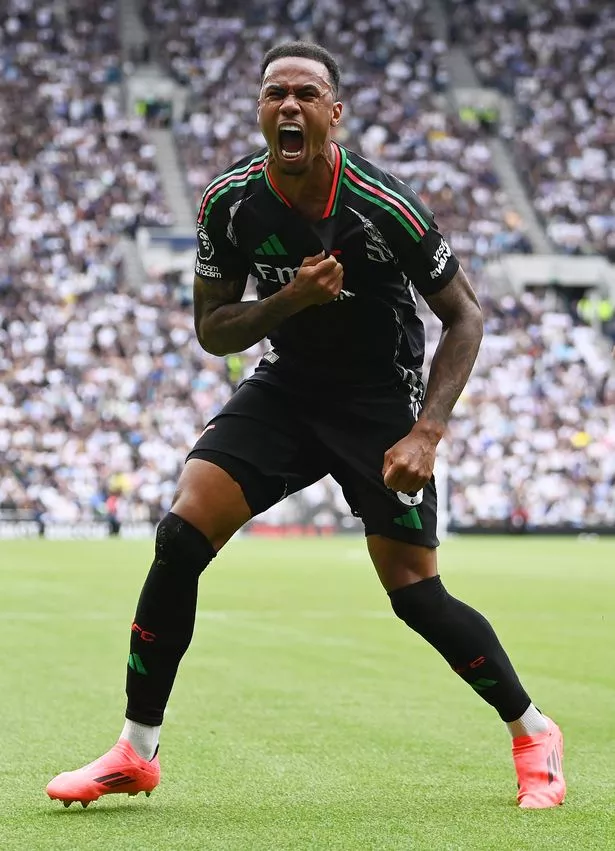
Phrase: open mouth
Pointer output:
(291, 140)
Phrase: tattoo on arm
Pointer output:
(225, 324)
(462, 329)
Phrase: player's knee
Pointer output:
(420, 602)
(180, 543)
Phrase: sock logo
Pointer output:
(483, 684)
(143, 634)
(410, 520)
(476, 663)
(136, 663)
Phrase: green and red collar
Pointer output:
(336, 187)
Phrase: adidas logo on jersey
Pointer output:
(271, 245)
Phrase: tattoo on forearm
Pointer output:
(225, 324)
(450, 369)
(239, 326)
(458, 308)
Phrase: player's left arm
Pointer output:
(409, 464)
(428, 261)
(458, 308)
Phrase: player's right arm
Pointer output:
(225, 324)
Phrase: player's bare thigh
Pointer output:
(399, 564)
(212, 501)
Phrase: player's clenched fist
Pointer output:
(319, 280)
(408, 465)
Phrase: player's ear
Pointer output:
(336, 115)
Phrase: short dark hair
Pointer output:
(305, 50)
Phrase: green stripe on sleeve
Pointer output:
(381, 203)
(388, 191)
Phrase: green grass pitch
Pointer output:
(305, 716)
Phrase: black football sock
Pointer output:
(466, 640)
(164, 620)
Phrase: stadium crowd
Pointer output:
(101, 400)
(75, 174)
(103, 389)
(532, 440)
(555, 59)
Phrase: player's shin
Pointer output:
(466, 640)
(163, 624)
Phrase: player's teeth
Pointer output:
(291, 155)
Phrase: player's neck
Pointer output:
(308, 192)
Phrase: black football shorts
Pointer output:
(273, 442)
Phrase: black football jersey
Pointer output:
(378, 229)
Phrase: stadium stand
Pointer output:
(555, 59)
(103, 387)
